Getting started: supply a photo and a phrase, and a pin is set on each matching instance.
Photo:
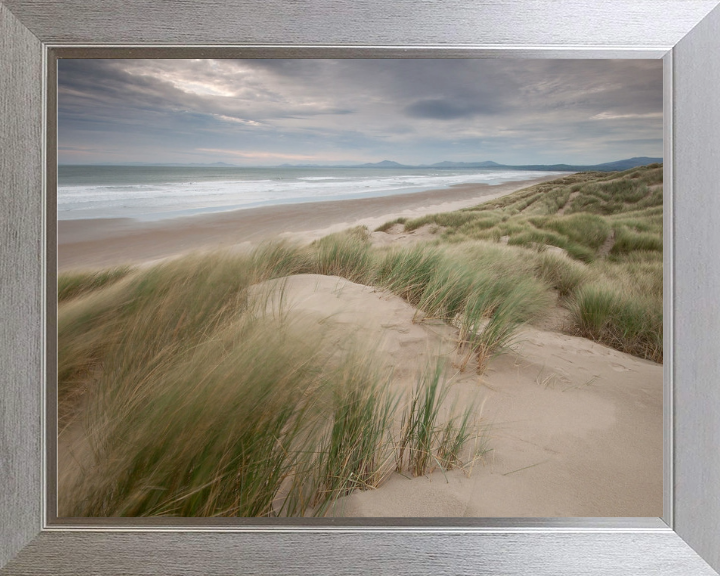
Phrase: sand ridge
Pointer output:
(574, 427)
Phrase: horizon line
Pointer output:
(476, 163)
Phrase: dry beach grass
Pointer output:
(295, 378)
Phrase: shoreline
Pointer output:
(561, 425)
(91, 243)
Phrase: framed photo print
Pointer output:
(354, 291)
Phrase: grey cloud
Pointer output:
(639, 141)
(439, 109)
(414, 110)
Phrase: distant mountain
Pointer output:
(629, 163)
(383, 164)
(618, 165)
(286, 165)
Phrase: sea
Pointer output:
(159, 192)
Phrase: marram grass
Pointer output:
(73, 284)
(610, 229)
(428, 441)
(192, 403)
(195, 402)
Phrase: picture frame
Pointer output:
(685, 33)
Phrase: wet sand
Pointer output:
(110, 241)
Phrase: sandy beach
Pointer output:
(572, 428)
(360, 289)
(92, 243)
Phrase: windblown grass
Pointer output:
(196, 402)
(425, 442)
(454, 438)
(171, 306)
(355, 450)
(445, 293)
(609, 227)
(73, 284)
(628, 240)
(419, 424)
(471, 283)
(389, 224)
(203, 434)
(407, 272)
(277, 259)
(493, 314)
(563, 274)
(633, 323)
(451, 219)
(586, 229)
(344, 254)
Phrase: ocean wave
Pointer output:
(136, 200)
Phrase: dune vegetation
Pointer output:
(193, 400)
(608, 270)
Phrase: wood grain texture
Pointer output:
(20, 284)
(74, 553)
(697, 277)
(376, 22)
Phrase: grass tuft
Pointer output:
(629, 323)
(407, 272)
(387, 225)
(427, 443)
(345, 254)
(354, 452)
(562, 273)
(74, 284)
(493, 314)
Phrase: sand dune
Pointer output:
(574, 427)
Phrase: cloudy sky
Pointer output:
(266, 112)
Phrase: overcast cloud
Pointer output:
(265, 112)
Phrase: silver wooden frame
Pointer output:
(685, 33)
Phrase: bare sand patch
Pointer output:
(574, 427)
